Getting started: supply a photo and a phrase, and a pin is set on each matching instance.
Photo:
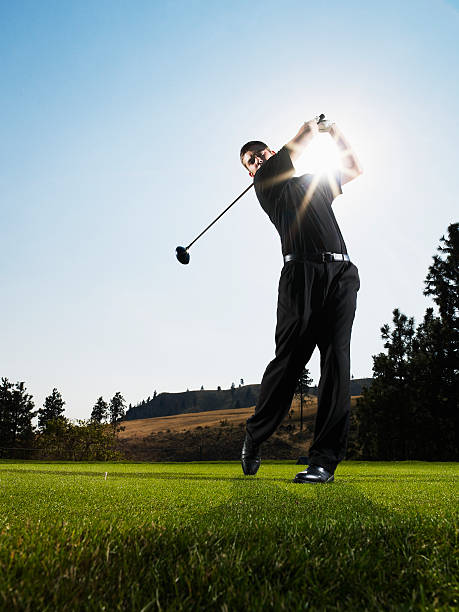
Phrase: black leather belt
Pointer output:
(317, 257)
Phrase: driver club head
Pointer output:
(182, 255)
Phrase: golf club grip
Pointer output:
(220, 215)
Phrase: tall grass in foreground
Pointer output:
(201, 536)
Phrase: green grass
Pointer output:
(201, 536)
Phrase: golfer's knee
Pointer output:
(288, 339)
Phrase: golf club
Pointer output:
(182, 252)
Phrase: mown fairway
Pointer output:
(201, 536)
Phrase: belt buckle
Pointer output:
(326, 256)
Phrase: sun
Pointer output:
(321, 156)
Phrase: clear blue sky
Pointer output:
(120, 129)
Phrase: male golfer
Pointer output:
(317, 298)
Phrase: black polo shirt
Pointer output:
(300, 207)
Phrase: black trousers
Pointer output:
(316, 307)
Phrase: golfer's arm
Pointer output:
(297, 145)
(350, 165)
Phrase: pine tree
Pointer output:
(427, 367)
(53, 408)
(411, 409)
(117, 408)
(16, 413)
(385, 406)
(441, 334)
(100, 411)
(304, 381)
(443, 278)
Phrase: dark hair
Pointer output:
(253, 145)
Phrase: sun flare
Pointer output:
(321, 156)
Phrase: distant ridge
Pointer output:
(166, 404)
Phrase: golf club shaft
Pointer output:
(220, 215)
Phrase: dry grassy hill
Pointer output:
(141, 428)
(215, 435)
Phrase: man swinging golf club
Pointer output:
(317, 297)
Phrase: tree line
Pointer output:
(56, 436)
(155, 395)
(411, 409)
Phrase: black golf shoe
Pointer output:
(250, 456)
(313, 474)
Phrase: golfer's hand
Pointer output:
(326, 126)
(311, 127)
(305, 134)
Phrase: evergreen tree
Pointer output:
(16, 413)
(53, 409)
(385, 406)
(304, 382)
(117, 408)
(411, 409)
(439, 339)
(233, 390)
(443, 276)
(427, 368)
(302, 387)
(100, 411)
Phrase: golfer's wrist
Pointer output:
(310, 129)
(334, 131)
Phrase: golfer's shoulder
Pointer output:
(275, 170)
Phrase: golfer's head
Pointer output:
(254, 154)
